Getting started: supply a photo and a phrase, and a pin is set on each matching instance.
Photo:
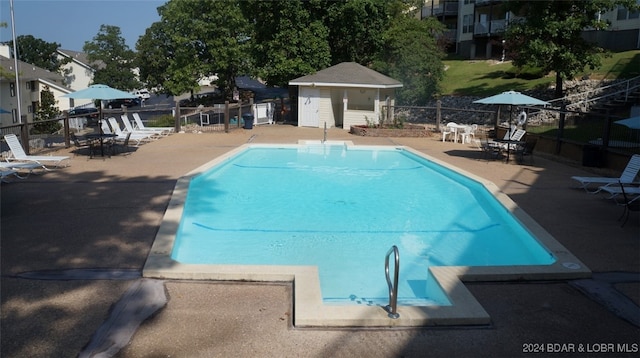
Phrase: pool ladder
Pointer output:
(392, 307)
(324, 139)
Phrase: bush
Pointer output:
(165, 120)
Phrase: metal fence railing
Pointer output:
(48, 135)
(588, 128)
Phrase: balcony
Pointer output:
(487, 2)
(494, 27)
(443, 8)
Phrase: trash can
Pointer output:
(592, 156)
(248, 120)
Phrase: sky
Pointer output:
(71, 23)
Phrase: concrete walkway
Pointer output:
(104, 214)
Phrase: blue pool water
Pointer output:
(342, 209)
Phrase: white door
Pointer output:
(309, 103)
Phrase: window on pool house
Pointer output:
(360, 99)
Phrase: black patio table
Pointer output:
(101, 137)
(509, 143)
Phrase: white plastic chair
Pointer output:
(467, 134)
(448, 130)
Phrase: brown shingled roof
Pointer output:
(347, 74)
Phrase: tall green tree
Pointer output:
(47, 109)
(39, 53)
(154, 53)
(356, 28)
(289, 39)
(548, 35)
(197, 38)
(108, 47)
(411, 54)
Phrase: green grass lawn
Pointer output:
(488, 77)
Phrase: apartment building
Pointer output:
(475, 28)
(32, 81)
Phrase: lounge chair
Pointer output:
(18, 166)
(630, 204)
(515, 137)
(121, 136)
(5, 173)
(629, 176)
(140, 125)
(128, 128)
(18, 154)
(615, 191)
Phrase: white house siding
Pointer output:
(354, 117)
(326, 109)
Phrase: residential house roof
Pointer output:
(82, 59)
(29, 72)
(347, 74)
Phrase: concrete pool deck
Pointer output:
(309, 310)
(105, 214)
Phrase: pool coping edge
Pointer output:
(309, 310)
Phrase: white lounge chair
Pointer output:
(18, 166)
(140, 125)
(628, 176)
(5, 173)
(120, 135)
(18, 154)
(515, 137)
(128, 128)
(615, 191)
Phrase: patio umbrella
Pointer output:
(511, 98)
(633, 122)
(99, 92)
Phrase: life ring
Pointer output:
(522, 118)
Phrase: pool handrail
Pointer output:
(392, 307)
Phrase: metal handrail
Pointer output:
(392, 307)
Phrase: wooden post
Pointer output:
(389, 109)
(226, 116)
(176, 118)
(438, 114)
(67, 141)
(560, 133)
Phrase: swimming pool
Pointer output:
(338, 209)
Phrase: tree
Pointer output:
(47, 109)
(411, 55)
(549, 35)
(109, 48)
(197, 39)
(356, 28)
(154, 53)
(287, 41)
(39, 53)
